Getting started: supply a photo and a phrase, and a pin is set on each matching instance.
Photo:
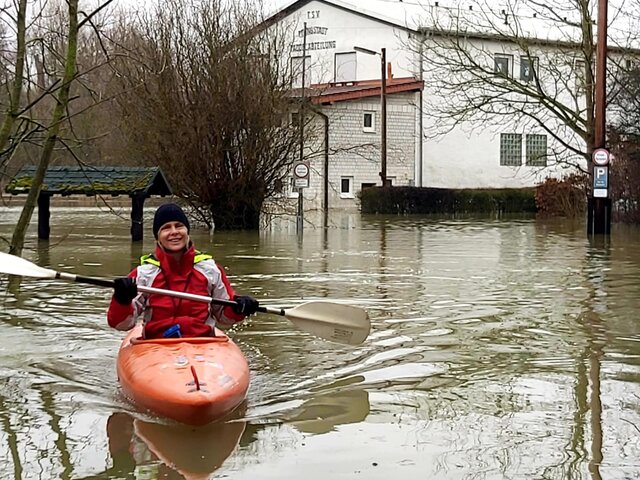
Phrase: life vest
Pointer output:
(152, 260)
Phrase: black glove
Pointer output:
(245, 305)
(124, 290)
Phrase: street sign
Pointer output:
(301, 169)
(301, 174)
(600, 193)
(600, 157)
(600, 180)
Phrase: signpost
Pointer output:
(600, 205)
(301, 175)
(601, 157)
(300, 181)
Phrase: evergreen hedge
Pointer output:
(408, 200)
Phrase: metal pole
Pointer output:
(300, 216)
(383, 119)
(599, 217)
(601, 72)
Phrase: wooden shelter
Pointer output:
(136, 182)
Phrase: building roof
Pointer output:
(325, 93)
(88, 180)
(556, 21)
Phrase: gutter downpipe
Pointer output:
(325, 168)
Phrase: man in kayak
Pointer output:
(176, 265)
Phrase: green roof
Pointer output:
(88, 180)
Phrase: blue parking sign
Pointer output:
(601, 177)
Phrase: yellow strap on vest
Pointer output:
(199, 257)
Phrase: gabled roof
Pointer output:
(325, 93)
(502, 20)
(87, 180)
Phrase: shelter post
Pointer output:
(137, 207)
(44, 213)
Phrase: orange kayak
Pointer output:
(191, 380)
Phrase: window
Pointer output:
(528, 68)
(346, 187)
(536, 150)
(581, 77)
(502, 64)
(511, 149)
(294, 118)
(368, 122)
(296, 71)
(345, 67)
(292, 191)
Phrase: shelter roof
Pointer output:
(89, 180)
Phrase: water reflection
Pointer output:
(154, 450)
(322, 414)
(499, 349)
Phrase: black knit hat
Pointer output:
(169, 212)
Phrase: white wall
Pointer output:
(333, 30)
(468, 156)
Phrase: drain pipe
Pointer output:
(325, 166)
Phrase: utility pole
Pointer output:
(300, 216)
(383, 109)
(599, 202)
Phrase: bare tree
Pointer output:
(59, 90)
(16, 77)
(209, 103)
(624, 141)
(530, 68)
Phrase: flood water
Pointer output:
(499, 349)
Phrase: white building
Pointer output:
(343, 149)
(500, 150)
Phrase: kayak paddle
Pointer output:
(332, 321)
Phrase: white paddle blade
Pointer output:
(12, 265)
(333, 321)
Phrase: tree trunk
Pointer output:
(62, 101)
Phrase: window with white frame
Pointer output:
(369, 122)
(581, 75)
(511, 149)
(297, 67)
(536, 148)
(503, 64)
(346, 187)
(292, 191)
(344, 67)
(528, 68)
